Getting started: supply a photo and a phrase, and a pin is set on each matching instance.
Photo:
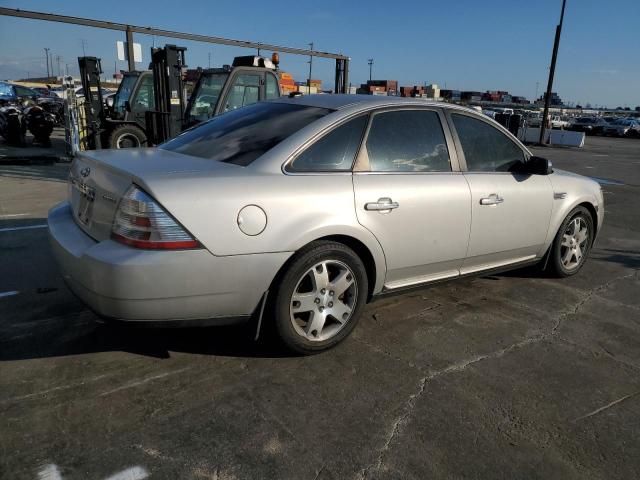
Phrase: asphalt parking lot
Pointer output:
(507, 376)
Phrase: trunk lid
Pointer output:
(99, 179)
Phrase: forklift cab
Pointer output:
(218, 90)
(133, 98)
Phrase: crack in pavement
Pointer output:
(607, 406)
(590, 293)
(460, 366)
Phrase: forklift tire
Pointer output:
(127, 136)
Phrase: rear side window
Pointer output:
(407, 141)
(335, 151)
(486, 149)
(241, 136)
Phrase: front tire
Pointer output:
(320, 297)
(572, 243)
(127, 136)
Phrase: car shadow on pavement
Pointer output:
(79, 332)
(626, 258)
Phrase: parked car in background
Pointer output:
(588, 125)
(559, 122)
(12, 93)
(311, 206)
(623, 127)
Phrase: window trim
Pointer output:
(362, 166)
(286, 166)
(492, 123)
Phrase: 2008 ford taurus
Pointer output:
(313, 206)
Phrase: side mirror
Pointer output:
(539, 166)
(127, 106)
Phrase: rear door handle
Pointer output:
(384, 204)
(493, 199)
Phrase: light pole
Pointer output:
(310, 67)
(46, 52)
(552, 72)
(370, 61)
(58, 58)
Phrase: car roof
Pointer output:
(342, 101)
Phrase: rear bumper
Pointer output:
(120, 282)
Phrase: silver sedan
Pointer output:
(303, 209)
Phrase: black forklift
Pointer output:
(150, 106)
(248, 80)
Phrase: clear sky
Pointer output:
(463, 44)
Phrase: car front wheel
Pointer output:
(572, 243)
(320, 297)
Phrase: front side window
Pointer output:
(204, 104)
(407, 141)
(24, 92)
(244, 91)
(486, 149)
(124, 92)
(241, 136)
(335, 151)
(144, 96)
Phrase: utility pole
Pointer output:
(209, 59)
(84, 44)
(310, 67)
(46, 52)
(552, 72)
(58, 59)
(536, 97)
(370, 62)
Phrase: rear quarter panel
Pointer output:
(299, 209)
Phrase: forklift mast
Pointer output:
(90, 70)
(165, 121)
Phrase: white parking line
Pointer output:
(9, 294)
(13, 229)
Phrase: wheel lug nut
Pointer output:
(317, 300)
(330, 304)
(321, 308)
(331, 292)
(323, 291)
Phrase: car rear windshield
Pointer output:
(240, 136)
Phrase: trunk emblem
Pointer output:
(85, 172)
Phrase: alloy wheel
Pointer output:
(574, 243)
(323, 301)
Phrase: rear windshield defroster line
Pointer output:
(240, 136)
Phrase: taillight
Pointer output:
(140, 222)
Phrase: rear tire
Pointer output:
(572, 244)
(127, 136)
(320, 297)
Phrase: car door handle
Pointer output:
(493, 199)
(383, 204)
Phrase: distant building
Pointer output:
(451, 95)
(555, 100)
(432, 91)
(379, 87)
(415, 91)
(471, 96)
(521, 100)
